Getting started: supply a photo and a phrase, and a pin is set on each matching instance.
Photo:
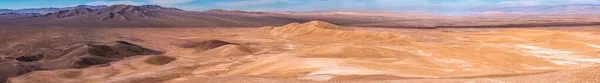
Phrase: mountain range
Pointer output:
(49, 10)
(139, 16)
(158, 16)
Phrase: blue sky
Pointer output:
(300, 5)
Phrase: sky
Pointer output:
(301, 5)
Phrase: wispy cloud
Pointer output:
(545, 2)
(323, 5)
(128, 2)
(245, 3)
(573, 1)
(520, 3)
(144, 2)
(169, 2)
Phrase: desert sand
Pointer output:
(322, 52)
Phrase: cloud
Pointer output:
(520, 3)
(144, 2)
(545, 2)
(578, 1)
(384, 5)
(169, 2)
(128, 2)
(248, 3)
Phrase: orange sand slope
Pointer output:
(319, 51)
(464, 54)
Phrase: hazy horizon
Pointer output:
(422, 6)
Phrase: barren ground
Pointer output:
(318, 52)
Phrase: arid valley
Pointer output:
(154, 44)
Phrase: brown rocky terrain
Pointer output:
(54, 49)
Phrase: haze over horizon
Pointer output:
(427, 6)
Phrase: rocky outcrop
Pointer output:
(76, 56)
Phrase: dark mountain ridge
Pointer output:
(142, 16)
(49, 10)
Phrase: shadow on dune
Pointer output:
(80, 55)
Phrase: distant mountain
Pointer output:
(88, 6)
(123, 12)
(12, 15)
(233, 12)
(49, 10)
(157, 16)
(142, 16)
(549, 9)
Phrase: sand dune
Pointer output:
(469, 57)
(320, 31)
(322, 52)
(230, 51)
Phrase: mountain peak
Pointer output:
(119, 6)
(151, 6)
(321, 24)
(142, 7)
(69, 13)
(91, 6)
(120, 12)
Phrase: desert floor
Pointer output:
(321, 52)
